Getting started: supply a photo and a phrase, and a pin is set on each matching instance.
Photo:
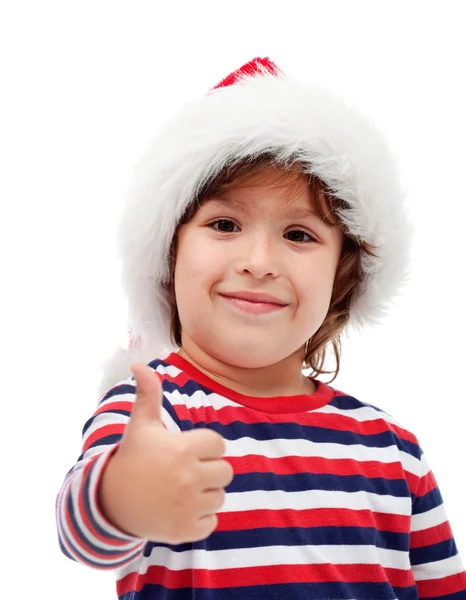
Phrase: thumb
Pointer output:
(149, 395)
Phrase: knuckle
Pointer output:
(185, 479)
(220, 499)
(176, 536)
(218, 442)
(229, 472)
(180, 530)
(213, 524)
(180, 449)
(209, 525)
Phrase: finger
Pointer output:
(206, 444)
(215, 474)
(149, 396)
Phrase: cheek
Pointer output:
(196, 267)
(193, 263)
(314, 284)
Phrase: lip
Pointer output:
(248, 306)
(255, 297)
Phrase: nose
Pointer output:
(259, 256)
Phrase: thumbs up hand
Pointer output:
(161, 485)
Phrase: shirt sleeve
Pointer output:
(85, 535)
(436, 564)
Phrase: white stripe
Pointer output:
(89, 536)
(438, 569)
(126, 397)
(106, 526)
(74, 546)
(112, 418)
(238, 558)
(169, 422)
(430, 518)
(411, 464)
(74, 482)
(360, 414)
(94, 451)
(279, 448)
(169, 370)
(280, 500)
(424, 467)
(199, 399)
(101, 420)
(216, 401)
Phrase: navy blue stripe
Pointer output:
(81, 556)
(84, 559)
(170, 410)
(461, 595)
(351, 403)
(289, 591)
(157, 362)
(63, 547)
(191, 386)
(434, 552)
(427, 502)
(112, 439)
(82, 536)
(294, 431)
(87, 507)
(295, 536)
(119, 390)
(303, 482)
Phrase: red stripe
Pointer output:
(62, 500)
(111, 429)
(82, 509)
(431, 588)
(80, 544)
(333, 421)
(253, 463)
(432, 535)
(267, 575)
(113, 406)
(427, 483)
(314, 517)
(229, 414)
(76, 539)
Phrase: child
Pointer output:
(266, 218)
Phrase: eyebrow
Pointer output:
(294, 213)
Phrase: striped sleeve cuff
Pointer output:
(85, 534)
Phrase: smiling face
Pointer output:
(258, 238)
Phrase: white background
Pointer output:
(84, 86)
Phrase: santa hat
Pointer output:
(256, 110)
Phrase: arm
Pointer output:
(436, 564)
(85, 534)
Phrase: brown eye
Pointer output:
(224, 224)
(297, 236)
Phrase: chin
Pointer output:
(248, 358)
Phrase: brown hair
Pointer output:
(349, 273)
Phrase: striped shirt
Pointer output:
(332, 499)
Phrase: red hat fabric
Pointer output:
(256, 66)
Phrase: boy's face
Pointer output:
(260, 245)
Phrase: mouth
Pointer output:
(252, 307)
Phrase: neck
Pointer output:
(284, 378)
